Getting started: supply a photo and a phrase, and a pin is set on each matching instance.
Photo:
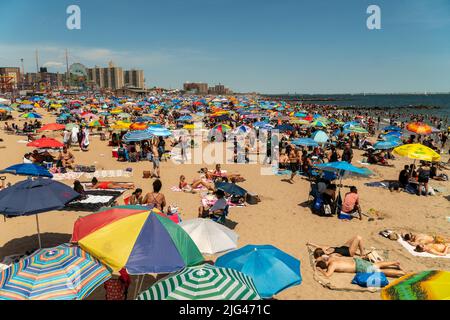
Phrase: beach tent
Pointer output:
(320, 137)
(271, 269)
(209, 236)
(60, 273)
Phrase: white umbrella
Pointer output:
(209, 236)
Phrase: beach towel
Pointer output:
(338, 281)
(67, 176)
(86, 185)
(199, 188)
(411, 250)
(95, 200)
(207, 202)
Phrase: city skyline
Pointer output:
(270, 47)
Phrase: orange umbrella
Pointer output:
(138, 126)
(419, 128)
(52, 127)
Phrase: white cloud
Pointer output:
(53, 64)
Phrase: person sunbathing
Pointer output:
(358, 265)
(235, 176)
(424, 239)
(67, 158)
(190, 187)
(349, 249)
(437, 249)
(104, 185)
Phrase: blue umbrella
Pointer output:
(184, 119)
(271, 269)
(300, 114)
(343, 168)
(284, 127)
(306, 142)
(138, 135)
(159, 132)
(385, 145)
(26, 107)
(31, 197)
(144, 119)
(320, 137)
(393, 133)
(231, 188)
(392, 128)
(28, 169)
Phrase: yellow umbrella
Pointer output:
(121, 125)
(189, 126)
(425, 285)
(417, 152)
(116, 111)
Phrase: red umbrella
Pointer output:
(45, 143)
(52, 127)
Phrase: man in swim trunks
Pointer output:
(358, 265)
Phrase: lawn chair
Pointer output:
(222, 217)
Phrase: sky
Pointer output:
(267, 46)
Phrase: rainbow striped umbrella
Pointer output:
(222, 128)
(61, 273)
(141, 240)
(204, 282)
(426, 285)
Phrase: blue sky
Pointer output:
(320, 46)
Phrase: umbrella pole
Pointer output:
(140, 285)
(39, 232)
(137, 286)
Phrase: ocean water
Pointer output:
(390, 101)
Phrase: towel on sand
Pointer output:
(338, 281)
(411, 250)
(199, 188)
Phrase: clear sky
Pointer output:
(269, 46)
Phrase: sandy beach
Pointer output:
(281, 218)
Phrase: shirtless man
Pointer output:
(358, 265)
(423, 239)
(437, 249)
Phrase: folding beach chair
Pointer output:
(222, 217)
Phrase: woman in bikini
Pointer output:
(95, 184)
(230, 176)
(156, 198)
(183, 185)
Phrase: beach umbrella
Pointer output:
(144, 119)
(320, 137)
(344, 169)
(60, 273)
(231, 188)
(52, 127)
(138, 126)
(355, 129)
(306, 142)
(284, 127)
(392, 128)
(135, 136)
(271, 269)
(70, 126)
(189, 126)
(124, 115)
(299, 121)
(396, 134)
(184, 119)
(385, 145)
(205, 282)
(120, 125)
(300, 114)
(136, 238)
(26, 107)
(96, 123)
(425, 285)
(222, 128)
(31, 197)
(45, 143)
(318, 123)
(209, 236)
(419, 128)
(31, 115)
(28, 169)
(417, 151)
(159, 132)
(262, 124)
(7, 109)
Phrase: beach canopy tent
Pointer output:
(231, 188)
(46, 143)
(320, 137)
(417, 151)
(26, 198)
(271, 269)
(209, 236)
(205, 282)
(60, 273)
(425, 285)
(28, 169)
(305, 142)
(136, 238)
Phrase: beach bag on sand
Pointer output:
(370, 280)
(252, 198)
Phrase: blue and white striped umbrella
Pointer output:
(138, 135)
(159, 132)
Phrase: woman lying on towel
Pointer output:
(190, 187)
(424, 239)
(104, 185)
(349, 249)
(230, 176)
(438, 249)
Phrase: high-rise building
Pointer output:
(219, 89)
(111, 77)
(198, 88)
(134, 78)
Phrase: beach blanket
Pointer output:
(411, 250)
(207, 202)
(67, 176)
(338, 281)
(95, 200)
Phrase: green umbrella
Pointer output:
(356, 129)
(205, 282)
